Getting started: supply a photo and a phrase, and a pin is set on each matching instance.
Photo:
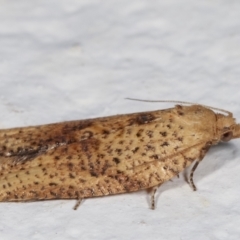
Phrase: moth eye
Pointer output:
(227, 136)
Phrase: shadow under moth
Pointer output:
(108, 155)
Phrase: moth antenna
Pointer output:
(181, 102)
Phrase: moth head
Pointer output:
(227, 127)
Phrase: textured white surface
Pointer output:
(64, 60)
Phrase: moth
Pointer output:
(108, 155)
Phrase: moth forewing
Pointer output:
(109, 155)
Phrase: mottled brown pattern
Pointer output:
(110, 155)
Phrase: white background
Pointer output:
(66, 60)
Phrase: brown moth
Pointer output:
(109, 155)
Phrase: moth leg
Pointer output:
(154, 189)
(77, 204)
(202, 155)
(191, 176)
